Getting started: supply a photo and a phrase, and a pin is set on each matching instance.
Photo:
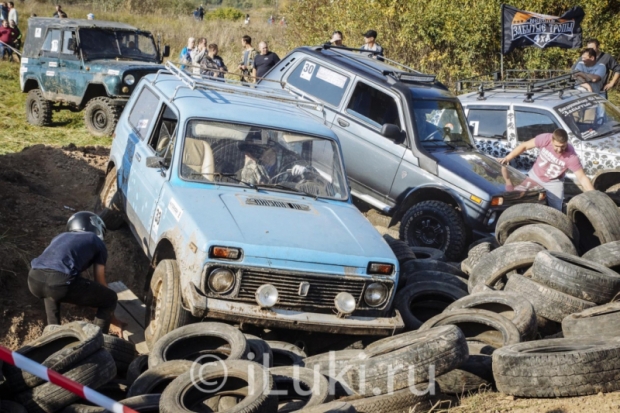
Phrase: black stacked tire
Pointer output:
(409, 278)
(400, 248)
(475, 374)
(286, 354)
(551, 238)
(301, 388)
(123, 352)
(431, 265)
(156, 379)
(601, 322)
(596, 216)
(520, 215)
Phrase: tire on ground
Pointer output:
(259, 350)
(286, 354)
(200, 340)
(164, 303)
(38, 109)
(607, 254)
(524, 214)
(407, 357)
(156, 379)
(602, 322)
(442, 220)
(331, 407)
(333, 365)
(93, 371)
(410, 301)
(301, 386)
(510, 305)
(408, 278)
(473, 375)
(495, 265)
(474, 255)
(401, 400)
(401, 250)
(558, 367)
(231, 377)
(123, 352)
(426, 253)
(548, 303)
(551, 238)
(138, 366)
(597, 218)
(431, 265)
(108, 205)
(576, 276)
(59, 350)
(148, 403)
(101, 116)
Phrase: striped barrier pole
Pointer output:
(58, 379)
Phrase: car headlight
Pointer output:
(376, 294)
(221, 280)
(129, 80)
(345, 303)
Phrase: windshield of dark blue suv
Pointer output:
(232, 154)
(440, 123)
(117, 44)
(590, 117)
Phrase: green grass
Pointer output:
(16, 133)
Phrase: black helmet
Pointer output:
(85, 221)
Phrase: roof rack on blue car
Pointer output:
(529, 83)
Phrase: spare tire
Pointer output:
(421, 292)
(286, 354)
(576, 276)
(551, 238)
(549, 303)
(596, 322)
(510, 305)
(478, 325)
(496, 264)
(60, 349)
(597, 218)
(607, 254)
(156, 379)
(302, 388)
(195, 341)
(524, 214)
(558, 367)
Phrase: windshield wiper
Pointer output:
(439, 143)
(230, 176)
(288, 188)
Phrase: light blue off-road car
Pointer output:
(240, 200)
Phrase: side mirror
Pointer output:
(472, 129)
(393, 133)
(166, 51)
(156, 162)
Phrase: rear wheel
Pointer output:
(101, 116)
(38, 110)
(434, 224)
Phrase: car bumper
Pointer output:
(206, 307)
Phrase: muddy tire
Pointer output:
(551, 238)
(576, 276)
(409, 357)
(399, 401)
(400, 248)
(495, 265)
(38, 110)
(156, 379)
(597, 218)
(510, 305)
(123, 352)
(194, 341)
(286, 354)
(434, 224)
(558, 367)
(138, 366)
(474, 256)
(93, 371)
(291, 380)
(606, 254)
(108, 205)
(101, 116)
(475, 374)
(548, 303)
(232, 377)
(164, 303)
(59, 350)
(518, 216)
(602, 322)
(411, 300)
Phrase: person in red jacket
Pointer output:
(7, 38)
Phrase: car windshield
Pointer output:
(590, 117)
(117, 44)
(440, 122)
(262, 158)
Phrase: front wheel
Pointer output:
(434, 224)
(108, 203)
(101, 116)
(164, 303)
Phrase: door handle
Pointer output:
(343, 123)
(138, 157)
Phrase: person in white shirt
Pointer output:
(370, 44)
(13, 13)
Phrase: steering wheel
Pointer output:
(277, 177)
(431, 136)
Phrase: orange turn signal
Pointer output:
(497, 201)
(225, 252)
(379, 268)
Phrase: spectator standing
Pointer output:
(219, 62)
(247, 20)
(555, 157)
(7, 39)
(201, 12)
(589, 73)
(13, 13)
(606, 59)
(185, 57)
(370, 44)
(247, 58)
(59, 13)
(282, 22)
(4, 11)
(199, 51)
(196, 13)
(265, 61)
(270, 20)
(336, 39)
(17, 43)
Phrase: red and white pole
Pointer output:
(58, 379)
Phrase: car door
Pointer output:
(149, 181)
(371, 159)
(69, 66)
(48, 61)
(529, 123)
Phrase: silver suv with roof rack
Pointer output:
(406, 144)
(502, 114)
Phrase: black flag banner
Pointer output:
(523, 28)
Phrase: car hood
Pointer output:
(289, 228)
(471, 170)
(121, 65)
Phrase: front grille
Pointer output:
(321, 294)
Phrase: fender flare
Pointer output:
(439, 193)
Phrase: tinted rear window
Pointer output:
(320, 82)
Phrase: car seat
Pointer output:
(197, 160)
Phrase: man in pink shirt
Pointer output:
(555, 158)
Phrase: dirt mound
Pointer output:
(40, 188)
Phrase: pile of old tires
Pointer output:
(535, 303)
